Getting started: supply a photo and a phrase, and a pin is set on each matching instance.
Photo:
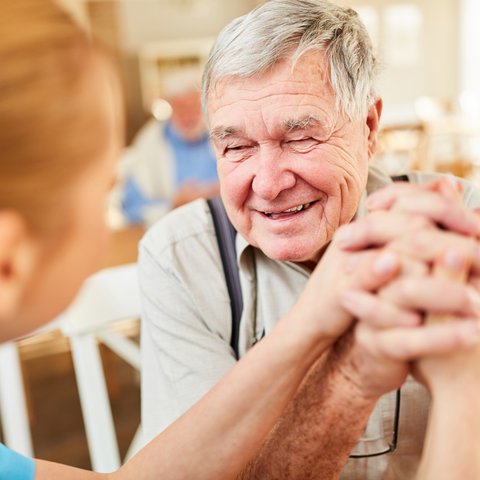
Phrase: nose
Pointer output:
(273, 174)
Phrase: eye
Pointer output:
(236, 152)
(303, 144)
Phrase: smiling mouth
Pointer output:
(289, 212)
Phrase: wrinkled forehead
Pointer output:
(309, 73)
(287, 89)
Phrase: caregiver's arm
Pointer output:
(219, 434)
(452, 448)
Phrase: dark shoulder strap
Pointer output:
(226, 234)
(400, 178)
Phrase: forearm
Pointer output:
(54, 471)
(316, 434)
(452, 446)
(219, 434)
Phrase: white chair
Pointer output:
(13, 404)
(106, 297)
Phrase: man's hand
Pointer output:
(319, 309)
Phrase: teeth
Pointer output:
(290, 210)
(294, 209)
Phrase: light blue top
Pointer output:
(14, 466)
(134, 201)
(192, 162)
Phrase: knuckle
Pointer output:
(473, 247)
(407, 291)
(471, 297)
(420, 222)
(405, 346)
(363, 335)
(371, 313)
(466, 245)
(391, 347)
(411, 266)
(416, 242)
(370, 222)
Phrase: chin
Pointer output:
(293, 252)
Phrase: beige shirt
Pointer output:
(186, 329)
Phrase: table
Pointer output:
(123, 246)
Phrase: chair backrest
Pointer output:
(13, 404)
(13, 401)
(107, 296)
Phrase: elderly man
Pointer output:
(294, 118)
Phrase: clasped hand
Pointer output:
(424, 317)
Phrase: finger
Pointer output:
(433, 295)
(452, 215)
(454, 266)
(410, 198)
(374, 311)
(378, 228)
(410, 235)
(430, 244)
(371, 269)
(410, 343)
(452, 188)
(448, 186)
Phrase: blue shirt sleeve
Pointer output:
(134, 201)
(14, 466)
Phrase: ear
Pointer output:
(373, 124)
(16, 262)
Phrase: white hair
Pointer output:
(181, 80)
(281, 29)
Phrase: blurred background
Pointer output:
(430, 79)
(430, 84)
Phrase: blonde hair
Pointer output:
(51, 127)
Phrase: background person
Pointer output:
(293, 115)
(169, 162)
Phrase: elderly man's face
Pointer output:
(292, 168)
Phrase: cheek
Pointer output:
(235, 181)
(335, 168)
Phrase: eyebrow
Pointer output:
(301, 123)
(290, 124)
(221, 132)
